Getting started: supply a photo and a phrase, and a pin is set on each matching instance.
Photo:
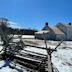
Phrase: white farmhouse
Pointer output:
(59, 32)
(67, 29)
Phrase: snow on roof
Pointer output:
(42, 31)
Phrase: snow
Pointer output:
(62, 58)
(25, 36)
(28, 36)
(36, 50)
(1, 47)
(5, 67)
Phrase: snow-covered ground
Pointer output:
(62, 58)
(25, 36)
(5, 67)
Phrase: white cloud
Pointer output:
(14, 24)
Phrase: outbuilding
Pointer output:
(59, 35)
(67, 29)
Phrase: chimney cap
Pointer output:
(69, 23)
(46, 23)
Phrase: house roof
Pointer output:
(54, 29)
(46, 28)
(42, 31)
(57, 30)
(64, 24)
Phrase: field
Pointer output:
(62, 58)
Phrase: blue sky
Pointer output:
(34, 13)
